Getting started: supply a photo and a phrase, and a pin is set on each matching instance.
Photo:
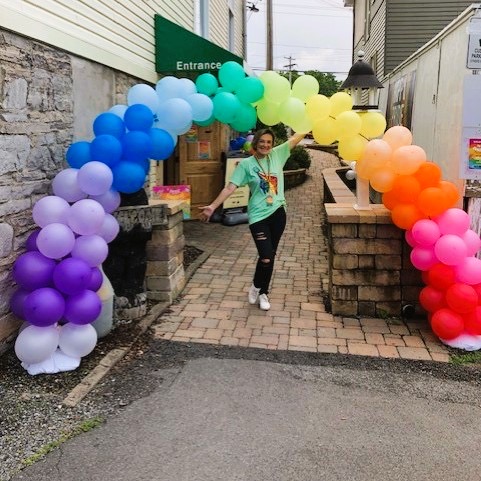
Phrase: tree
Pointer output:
(328, 85)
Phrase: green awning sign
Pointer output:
(178, 50)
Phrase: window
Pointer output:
(201, 18)
(231, 30)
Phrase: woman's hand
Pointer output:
(206, 213)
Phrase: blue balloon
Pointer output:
(138, 117)
(129, 177)
(162, 144)
(136, 145)
(145, 164)
(78, 154)
(107, 149)
(109, 123)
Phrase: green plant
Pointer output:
(84, 427)
(300, 158)
(468, 358)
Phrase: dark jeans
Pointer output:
(267, 234)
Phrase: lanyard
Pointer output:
(268, 174)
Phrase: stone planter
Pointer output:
(293, 178)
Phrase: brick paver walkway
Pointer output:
(214, 308)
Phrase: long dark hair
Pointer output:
(259, 134)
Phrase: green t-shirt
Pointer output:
(256, 174)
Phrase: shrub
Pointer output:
(300, 158)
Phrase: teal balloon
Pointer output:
(230, 75)
(226, 106)
(245, 119)
(206, 84)
(250, 90)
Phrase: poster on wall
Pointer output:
(400, 101)
(174, 192)
(203, 149)
(470, 149)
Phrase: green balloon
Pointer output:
(250, 90)
(245, 118)
(230, 75)
(226, 106)
(205, 123)
(206, 84)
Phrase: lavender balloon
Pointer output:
(72, 276)
(44, 307)
(91, 248)
(65, 185)
(110, 201)
(82, 308)
(109, 229)
(33, 270)
(86, 217)
(50, 209)
(95, 178)
(55, 241)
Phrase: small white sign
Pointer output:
(474, 44)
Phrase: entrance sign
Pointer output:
(474, 43)
(178, 50)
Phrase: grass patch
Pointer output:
(84, 427)
(468, 358)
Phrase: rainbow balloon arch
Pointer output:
(59, 275)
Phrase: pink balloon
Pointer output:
(469, 271)
(472, 241)
(423, 258)
(453, 221)
(450, 249)
(426, 232)
(408, 235)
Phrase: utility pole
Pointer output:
(289, 66)
(269, 56)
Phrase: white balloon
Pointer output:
(35, 344)
(464, 341)
(350, 175)
(77, 340)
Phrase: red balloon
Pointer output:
(431, 299)
(425, 277)
(441, 276)
(447, 324)
(461, 298)
(477, 288)
(472, 322)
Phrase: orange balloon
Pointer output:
(450, 191)
(428, 174)
(382, 179)
(362, 169)
(398, 136)
(406, 188)
(389, 200)
(432, 201)
(406, 215)
(377, 153)
(407, 159)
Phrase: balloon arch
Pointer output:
(59, 275)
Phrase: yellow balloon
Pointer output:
(351, 148)
(348, 123)
(318, 107)
(276, 87)
(292, 111)
(325, 131)
(268, 112)
(303, 126)
(373, 124)
(304, 87)
(340, 102)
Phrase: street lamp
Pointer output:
(361, 80)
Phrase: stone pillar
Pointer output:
(370, 273)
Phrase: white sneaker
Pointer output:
(253, 294)
(264, 303)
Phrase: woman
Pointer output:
(263, 173)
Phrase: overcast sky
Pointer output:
(317, 34)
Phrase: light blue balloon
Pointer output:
(202, 106)
(143, 94)
(175, 113)
(167, 88)
(118, 110)
(186, 88)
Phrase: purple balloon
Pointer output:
(33, 270)
(83, 308)
(44, 307)
(96, 279)
(16, 302)
(72, 276)
(31, 243)
(110, 201)
(91, 248)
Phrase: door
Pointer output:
(200, 157)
